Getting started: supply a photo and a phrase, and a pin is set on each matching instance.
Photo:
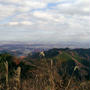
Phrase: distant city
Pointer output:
(23, 49)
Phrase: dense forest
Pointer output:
(55, 69)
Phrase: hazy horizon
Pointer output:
(48, 45)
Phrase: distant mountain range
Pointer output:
(20, 48)
(61, 44)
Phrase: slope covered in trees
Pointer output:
(55, 69)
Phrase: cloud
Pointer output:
(13, 23)
(43, 15)
(80, 7)
(6, 11)
(26, 23)
(45, 21)
(20, 1)
(20, 23)
(32, 4)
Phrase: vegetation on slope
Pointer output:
(59, 69)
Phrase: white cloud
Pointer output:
(19, 1)
(35, 4)
(80, 7)
(20, 23)
(6, 11)
(23, 9)
(49, 17)
(32, 4)
(11, 1)
(43, 15)
(13, 23)
(66, 21)
(26, 23)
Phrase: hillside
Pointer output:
(55, 69)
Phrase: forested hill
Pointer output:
(55, 69)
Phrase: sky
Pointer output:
(45, 21)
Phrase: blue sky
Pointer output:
(45, 21)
